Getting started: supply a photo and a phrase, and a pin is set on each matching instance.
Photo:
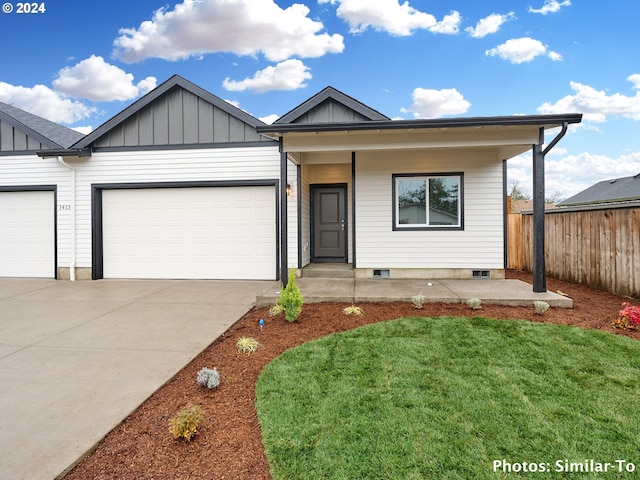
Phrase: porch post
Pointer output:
(539, 267)
(353, 209)
(284, 245)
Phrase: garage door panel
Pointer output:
(189, 233)
(27, 234)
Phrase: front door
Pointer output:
(328, 223)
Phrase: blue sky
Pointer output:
(79, 63)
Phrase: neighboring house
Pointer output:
(616, 190)
(29, 191)
(181, 184)
(520, 206)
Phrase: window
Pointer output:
(427, 201)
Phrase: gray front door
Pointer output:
(328, 223)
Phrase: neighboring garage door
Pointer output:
(190, 233)
(27, 234)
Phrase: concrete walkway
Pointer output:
(77, 358)
(359, 290)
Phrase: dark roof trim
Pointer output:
(549, 121)
(330, 93)
(64, 152)
(175, 80)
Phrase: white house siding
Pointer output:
(305, 175)
(478, 246)
(31, 170)
(199, 165)
(292, 216)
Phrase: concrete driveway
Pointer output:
(77, 357)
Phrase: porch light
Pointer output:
(289, 190)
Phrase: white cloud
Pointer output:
(571, 174)
(84, 130)
(597, 104)
(96, 80)
(269, 119)
(437, 103)
(550, 6)
(489, 25)
(243, 27)
(44, 102)
(521, 50)
(392, 17)
(287, 75)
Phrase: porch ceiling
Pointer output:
(505, 142)
(507, 136)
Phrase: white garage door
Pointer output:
(189, 233)
(27, 234)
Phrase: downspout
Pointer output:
(72, 265)
(553, 143)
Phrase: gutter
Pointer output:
(72, 264)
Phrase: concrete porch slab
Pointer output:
(359, 290)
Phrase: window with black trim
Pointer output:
(427, 201)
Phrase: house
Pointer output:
(29, 192)
(181, 184)
(616, 190)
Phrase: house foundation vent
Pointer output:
(381, 274)
(481, 274)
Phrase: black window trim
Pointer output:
(397, 228)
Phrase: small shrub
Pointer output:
(352, 310)
(540, 306)
(474, 303)
(247, 345)
(186, 422)
(629, 317)
(291, 299)
(418, 300)
(275, 310)
(208, 378)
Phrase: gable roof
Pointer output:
(47, 133)
(330, 105)
(608, 191)
(163, 98)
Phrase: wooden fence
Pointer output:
(598, 247)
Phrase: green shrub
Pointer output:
(291, 299)
(186, 422)
(418, 300)
(247, 345)
(540, 306)
(352, 310)
(208, 378)
(474, 303)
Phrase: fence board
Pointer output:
(599, 248)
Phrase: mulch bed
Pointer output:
(228, 445)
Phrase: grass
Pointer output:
(444, 398)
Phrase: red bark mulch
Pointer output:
(228, 445)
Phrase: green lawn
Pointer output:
(444, 398)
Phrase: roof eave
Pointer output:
(546, 121)
(64, 152)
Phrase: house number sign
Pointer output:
(64, 206)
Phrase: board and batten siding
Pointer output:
(479, 246)
(188, 165)
(179, 117)
(292, 216)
